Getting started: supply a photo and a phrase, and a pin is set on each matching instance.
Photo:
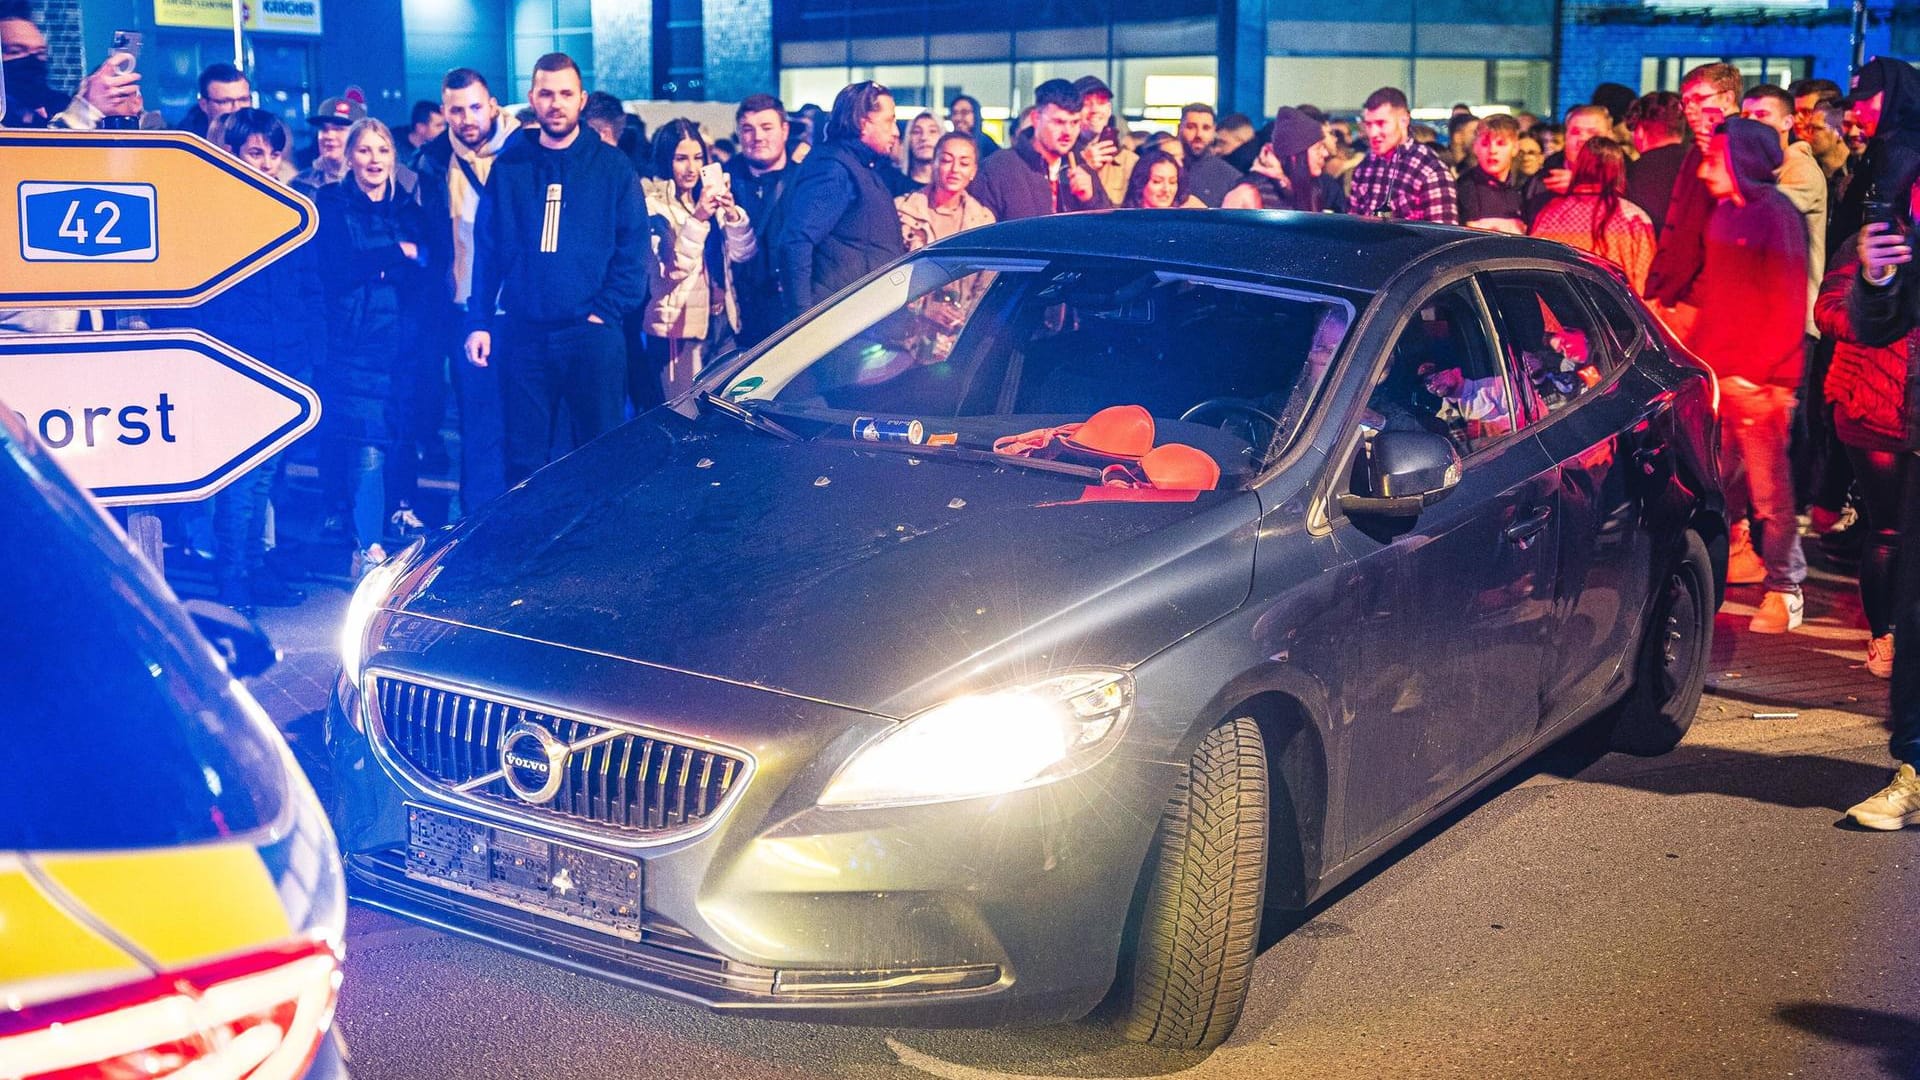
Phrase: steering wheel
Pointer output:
(1248, 415)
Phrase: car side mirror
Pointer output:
(242, 644)
(1406, 472)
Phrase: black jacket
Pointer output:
(1678, 260)
(375, 295)
(275, 315)
(1891, 163)
(835, 224)
(1014, 185)
(1650, 180)
(561, 235)
(1481, 196)
(753, 280)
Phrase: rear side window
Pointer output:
(1551, 338)
(1627, 327)
(118, 734)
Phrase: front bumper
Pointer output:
(983, 912)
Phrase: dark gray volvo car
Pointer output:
(1015, 628)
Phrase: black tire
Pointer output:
(1199, 924)
(1670, 670)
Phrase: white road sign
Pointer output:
(151, 416)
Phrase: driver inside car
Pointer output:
(1477, 407)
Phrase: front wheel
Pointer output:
(1199, 927)
(1670, 670)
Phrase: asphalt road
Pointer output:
(1705, 914)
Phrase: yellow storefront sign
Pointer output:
(269, 16)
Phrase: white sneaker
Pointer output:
(1895, 806)
(1880, 657)
(1779, 613)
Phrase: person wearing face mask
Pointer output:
(274, 315)
(699, 232)
(31, 100)
(938, 210)
(330, 123)
(836, 221)
(373, 250)
(1286, 174)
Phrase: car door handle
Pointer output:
(1530, 526)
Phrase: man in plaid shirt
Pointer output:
(1400, 178)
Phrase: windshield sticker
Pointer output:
(745, 386)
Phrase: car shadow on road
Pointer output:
(1895, 1035)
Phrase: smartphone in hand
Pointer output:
(125, 50)
(713, 178)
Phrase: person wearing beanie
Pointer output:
(1286, 175)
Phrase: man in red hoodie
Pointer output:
(1751, 330)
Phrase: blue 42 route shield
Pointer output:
(151, 416)
(134, 219)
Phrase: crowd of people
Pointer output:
(560, 269)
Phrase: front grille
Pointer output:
(633, 785)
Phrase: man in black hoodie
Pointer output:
(1886, 103)
(560, 255)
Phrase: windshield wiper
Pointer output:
(748, 417)
(988, 457)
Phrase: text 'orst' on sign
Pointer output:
(151, 416)
(134, 219)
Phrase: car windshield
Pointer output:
(968, 352)
(117, 736)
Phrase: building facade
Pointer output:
(1241, 55)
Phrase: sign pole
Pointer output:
(239, 48)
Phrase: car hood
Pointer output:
(861, 578)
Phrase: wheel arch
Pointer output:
(1297, 778)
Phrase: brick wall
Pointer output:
(66, 44)
(739, 48)
(1592, 53)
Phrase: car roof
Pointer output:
(1357, 253)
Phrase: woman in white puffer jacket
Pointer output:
(692, 313)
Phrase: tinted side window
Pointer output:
(1444, 377)
(1629, 329)
(1551, 338)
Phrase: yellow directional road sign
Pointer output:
(134, 219)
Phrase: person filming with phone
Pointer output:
(698, 234)
(1885, 309)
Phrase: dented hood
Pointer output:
(862, 578)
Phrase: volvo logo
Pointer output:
(533, 761)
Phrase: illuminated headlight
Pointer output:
(368, 596)
(986, 744)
